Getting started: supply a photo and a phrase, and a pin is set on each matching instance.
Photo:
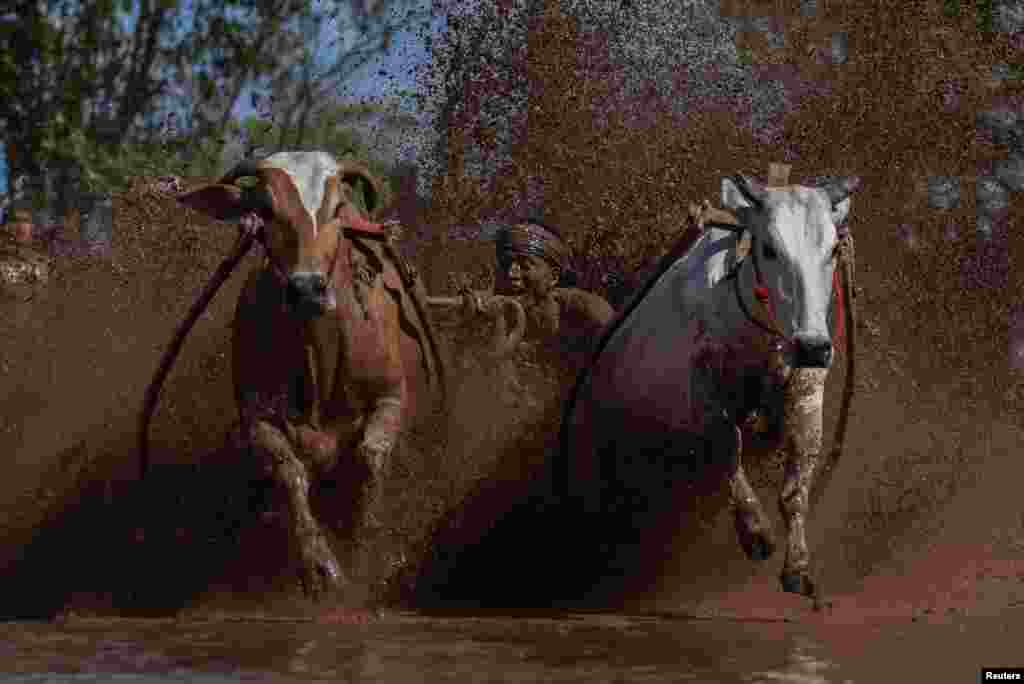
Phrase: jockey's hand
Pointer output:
(474, 302)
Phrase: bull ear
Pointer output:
(840, 211)
(222, 202)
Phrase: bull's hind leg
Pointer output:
(753, 528)
(803, 407)
(320, 569)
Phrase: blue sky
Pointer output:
(408, 50)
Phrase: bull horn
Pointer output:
(253, 199)
(373, 191)
(839, 190)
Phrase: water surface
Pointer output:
(405, 647)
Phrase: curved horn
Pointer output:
(246, 167)
(240, 249)
(753, 193)
(254, 199)
(842, 188)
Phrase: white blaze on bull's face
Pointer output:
(309, 172)
(307, 193)
(796, 236)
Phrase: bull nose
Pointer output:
(815, 352)
(307, 293)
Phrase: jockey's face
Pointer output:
(528, 274)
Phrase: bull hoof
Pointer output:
(755, 536)
(798, 582)
(321, 574)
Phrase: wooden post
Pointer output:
(778, 174)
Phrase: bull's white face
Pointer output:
(795, 238)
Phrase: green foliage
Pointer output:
(110, 168)
(984, 16)
(62, 62)
(951, 8)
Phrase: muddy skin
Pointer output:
(534, 280)
(803, 421)
(802, 437)
(557, 317)
(320, 572)
(753, 527)
(375, 453)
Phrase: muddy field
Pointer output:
(922, 516)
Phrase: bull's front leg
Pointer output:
(320, 569)
(753, 527)
(382, 427)
(803, 432)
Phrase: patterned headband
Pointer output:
(533, 240)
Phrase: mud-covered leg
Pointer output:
(803, 409)
(753, 528)
(375, 451)
(321, 571)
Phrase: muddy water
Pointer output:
(405, 647)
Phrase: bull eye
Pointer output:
(769, 252)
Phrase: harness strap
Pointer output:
(734, 275)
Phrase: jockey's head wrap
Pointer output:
(534, 239)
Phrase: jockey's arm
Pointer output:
(591, 307)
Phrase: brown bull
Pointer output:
(333, 350)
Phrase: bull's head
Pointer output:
(302, 200)
(794, 247)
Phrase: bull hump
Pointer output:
(308, 172)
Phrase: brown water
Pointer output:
(405, 647)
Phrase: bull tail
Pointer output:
(149, 403)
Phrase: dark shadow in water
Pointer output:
(192, 518)
(514, 545)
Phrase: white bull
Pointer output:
(714, 334)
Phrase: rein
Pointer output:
(761, 292)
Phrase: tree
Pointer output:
(311, 80)
(99, 77)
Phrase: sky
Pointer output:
(408, 50)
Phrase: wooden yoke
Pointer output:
(778, 174)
